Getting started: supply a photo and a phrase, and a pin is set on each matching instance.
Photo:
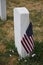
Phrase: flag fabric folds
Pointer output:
(27, 39)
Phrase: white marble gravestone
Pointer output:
(3, 9)
(0, 8)
(21, 22)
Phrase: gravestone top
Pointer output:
(22, 10)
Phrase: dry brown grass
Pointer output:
(31, 6)
(2, 48)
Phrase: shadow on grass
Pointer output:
(39, 51)
(9, 17)
(2, 22)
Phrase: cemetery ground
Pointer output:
(8, 52)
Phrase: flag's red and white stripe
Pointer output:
(27, 43)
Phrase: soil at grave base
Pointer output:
(13, 60)
(2, 48)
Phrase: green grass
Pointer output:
(1, 22)
(36, 16)
(37, 60)
(10, 46)
(2, 35)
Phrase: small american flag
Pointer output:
(27, 39)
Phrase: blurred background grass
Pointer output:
(35, 8)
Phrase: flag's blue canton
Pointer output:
(27, 39)
(29, 30)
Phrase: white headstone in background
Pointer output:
(3, 9)
(21, 22)
(0, 8)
